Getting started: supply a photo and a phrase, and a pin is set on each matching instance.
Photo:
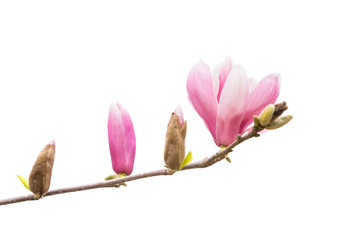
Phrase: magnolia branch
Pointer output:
(269, 119)
(206, 162)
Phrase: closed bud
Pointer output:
(40, 176)
(279, 122)
(122, 142)
(279, 109)
(266, 115)
(174, 150)
(256, 121)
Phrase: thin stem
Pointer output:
(206, 162)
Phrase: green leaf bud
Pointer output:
(266, 115)
(279, 122)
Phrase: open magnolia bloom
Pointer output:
(227, 100)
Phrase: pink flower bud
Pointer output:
(121, 139)
(227, 100)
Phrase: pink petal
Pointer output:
(216, 80)
(116, 132)
(252, 84)
(225, 70)
(266, 92)
(130, 143)
(232, 104)
(201, 94)
(178, 112)
(220, 75)
(52, 142)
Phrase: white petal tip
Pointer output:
(178, 112)
(279, 79)
(52, 142)
(228, 59)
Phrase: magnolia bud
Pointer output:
(174, 150)
(279, 109)
(279, 122)
(256, 121)
(266, 115)
(40, 176)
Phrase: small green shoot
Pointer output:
(186, 161)
(24, 181)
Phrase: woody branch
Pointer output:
(206, 162)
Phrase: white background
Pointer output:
(62, 63)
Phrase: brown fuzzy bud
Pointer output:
(174, 150)
(40, 176)
(279, 108)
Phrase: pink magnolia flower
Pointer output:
(121, 139)
(227, 100)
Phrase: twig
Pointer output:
(206, 162)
